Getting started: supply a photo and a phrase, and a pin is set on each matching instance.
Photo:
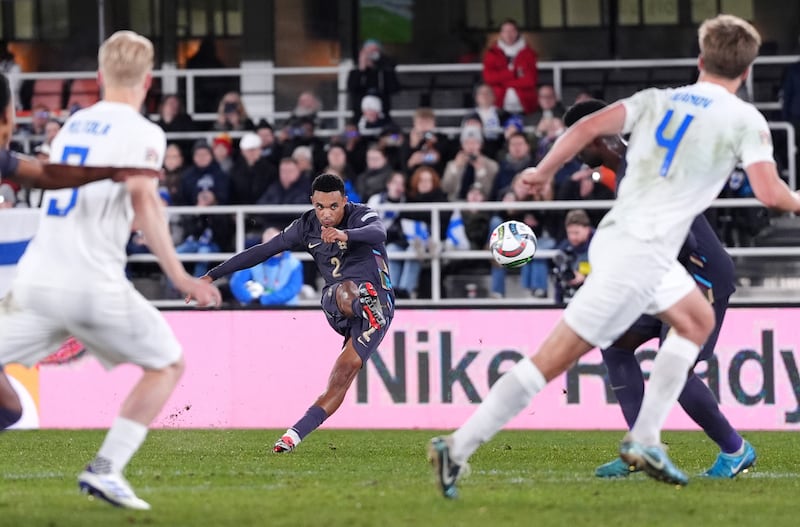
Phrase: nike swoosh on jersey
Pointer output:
(312, 245)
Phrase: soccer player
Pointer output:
(71, 279)
(684, 143)
(711, 267)
(347, 243)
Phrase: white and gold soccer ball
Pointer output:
(513, 244)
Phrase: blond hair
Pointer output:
(728, 45)
(125, 58)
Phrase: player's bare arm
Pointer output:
(149, 217)
(770, 189)
(50, 176)
(606, 122)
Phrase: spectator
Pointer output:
(309, 106)
(301, 133)
(173, 170)
(204, 174)
(424, 145)
(375, 76)
(425, 187)
(209, 90)
(205, 233)
(392, 141)
(491, 117)
(790, 104)
(51, 129)
(373, 180)
(469, 166)
(509, 67)
(302, 156)
(290, 189)
(251, 174)
(550, 110)
(572, 264)
(533, 276)
(404, 273)
(222, 147)
(10, 68)
(171, 117)
(231, 115)
(373, 119)
(276, 281)
(516, 160)
(338, 164)
(270, 149)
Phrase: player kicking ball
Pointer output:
(71, 280)
(712, 268)
(684, 144)
(347, 243)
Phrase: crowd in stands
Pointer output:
(381, 164)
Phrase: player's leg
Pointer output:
(10, 405)
(698, 401)
(627, 381)
(127, 329)
(342, 374)
(600, 312)
(354, 311)
(692, 320)
(508, 397)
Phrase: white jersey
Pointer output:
(83, 231)
(684, 144)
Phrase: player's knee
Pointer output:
(346, 293)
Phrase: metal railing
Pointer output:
(437, 253)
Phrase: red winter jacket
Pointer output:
(522, 78)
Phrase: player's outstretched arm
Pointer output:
(770, 189)
(31, 171)
(149, 218)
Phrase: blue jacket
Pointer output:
(281, 276)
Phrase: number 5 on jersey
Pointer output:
(670, 143)
(72, 155)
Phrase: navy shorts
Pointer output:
(651, 327)
(365, 338)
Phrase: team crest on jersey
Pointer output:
(766, 138)
(151, 155)
(342, 245)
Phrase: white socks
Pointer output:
(667, 379)
(291, 432)
(508, 397)
(122, 441)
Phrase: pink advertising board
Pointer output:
(262, 369)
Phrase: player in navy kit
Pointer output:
(347, 243)
(712, 268)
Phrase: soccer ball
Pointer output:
(513, 244)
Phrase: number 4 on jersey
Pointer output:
(73, 155)
(670, 143)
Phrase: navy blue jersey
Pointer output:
(362, 258)
(707, 261)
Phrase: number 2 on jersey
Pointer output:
(670, 143)
(70, 155)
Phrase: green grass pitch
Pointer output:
(381, 478)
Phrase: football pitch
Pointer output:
(381, 478)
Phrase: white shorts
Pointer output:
(114, 322)
(629, 277)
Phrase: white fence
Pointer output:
(439, 254)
